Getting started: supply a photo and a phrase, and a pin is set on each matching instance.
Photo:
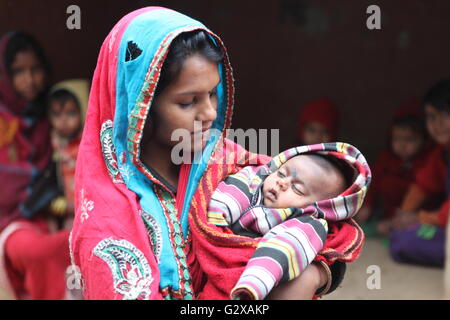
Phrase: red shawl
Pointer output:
(24, 145)
(223, 256)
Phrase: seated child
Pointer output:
(418, 233)
(288, 201)
(318, 122)
(396, 166)
(67, 107)
(52, 192)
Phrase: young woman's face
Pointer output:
(406, 143)
(190, 98)
(28, 75)
(315, 132)
(65, 119)
(438, 124)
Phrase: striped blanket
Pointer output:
(291, 237)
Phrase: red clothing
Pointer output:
(443, 213)
(32, 261)
(66, 156)
(431, 179)
(391, 179)
(322, 111)
(36, 261)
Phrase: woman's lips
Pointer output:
(203, 131)
(202, 135)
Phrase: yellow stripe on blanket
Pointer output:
(279, 160)
(288, 251)
(342, 147)
(217, 219)
(285, 213)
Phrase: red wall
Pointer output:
(280, 63)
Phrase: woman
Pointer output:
(140, 230)
(32, 260)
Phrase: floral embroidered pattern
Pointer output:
(154, 233)
(131, 272)
(109, 151)
(86, 206)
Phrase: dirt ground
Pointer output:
(396, 281)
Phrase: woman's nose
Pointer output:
(208, 112)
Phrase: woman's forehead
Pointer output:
(197, 75)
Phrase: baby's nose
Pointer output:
(284, 183)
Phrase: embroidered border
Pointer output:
(154, 233)
(178, 243)
(109, 151)
(131, 272)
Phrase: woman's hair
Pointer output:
(182, 47)
(438, 96)
(19, 42)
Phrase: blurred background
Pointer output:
(286, 53)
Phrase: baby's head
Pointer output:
(305, 179)
(65, 113)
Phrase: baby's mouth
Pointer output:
(271, 194)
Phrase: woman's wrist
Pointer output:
(324, 276)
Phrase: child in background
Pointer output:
(67, 107)
(288, 202)
(318, 122)
(396, 167)
(419, 235)
(33, 260)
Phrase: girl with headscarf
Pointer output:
(67, 109)
(32, 261)
(318, 122)
(141, 228)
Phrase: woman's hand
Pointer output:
(302, 288)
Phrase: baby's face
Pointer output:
(299, 182)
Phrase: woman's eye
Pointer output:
(213, 93)
(186, 105)
(281, 174)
